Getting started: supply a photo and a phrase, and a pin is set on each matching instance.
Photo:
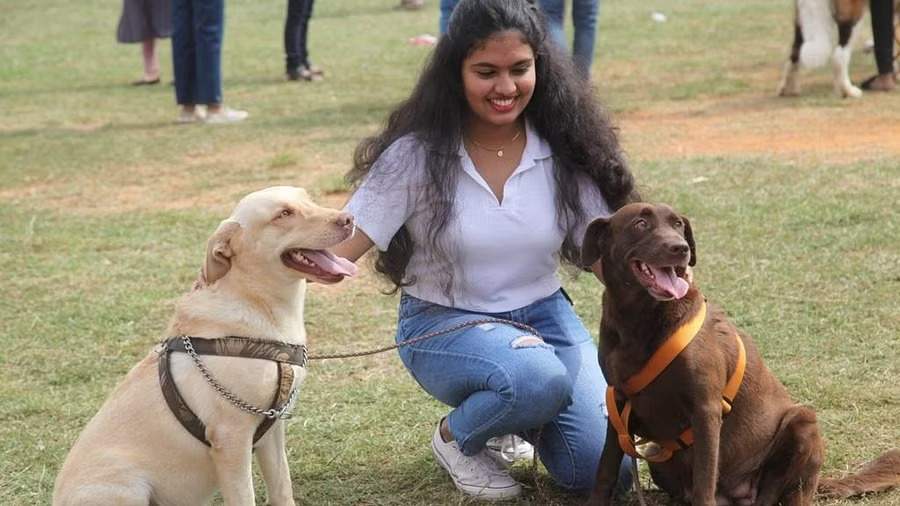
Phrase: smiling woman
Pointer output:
(471, 216)
(498, 79)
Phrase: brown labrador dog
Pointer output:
(766, 450)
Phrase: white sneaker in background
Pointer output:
(509, 448)
(225, 115)
(479, 475)
(190, 116)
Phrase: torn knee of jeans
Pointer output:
(526, 341)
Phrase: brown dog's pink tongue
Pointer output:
(668, 281)
(331, 262)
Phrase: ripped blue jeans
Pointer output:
(501, 380)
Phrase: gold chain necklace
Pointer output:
(499, 150)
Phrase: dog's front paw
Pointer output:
(851, 92)
(789, 87)
(788, 91)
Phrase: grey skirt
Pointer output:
(144, 19)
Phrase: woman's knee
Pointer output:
(541, 387)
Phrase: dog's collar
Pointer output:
(664, 355)
(284, 354)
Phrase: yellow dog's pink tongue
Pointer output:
(668, 281)
(331, 262)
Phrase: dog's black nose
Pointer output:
(679, 248)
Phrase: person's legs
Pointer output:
(447, 7)
(570, 445)
(151, 61)
(500, 379)
(183, 52)
(292, 36)
(296, 34)
(554, 11)
(314, 72)
(209, 28)
(503, 380)
(584, 19)
(882, 15)
(296, 30)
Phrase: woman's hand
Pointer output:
(354, 247)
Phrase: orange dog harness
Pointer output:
(674, 345)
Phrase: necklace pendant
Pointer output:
(500, 153)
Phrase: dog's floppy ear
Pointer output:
(689, 237)
(590, 246)
(219, 251)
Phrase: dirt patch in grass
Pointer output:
(829, 130)
(209, 181)
(762, 127)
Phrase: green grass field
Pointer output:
(106, 205)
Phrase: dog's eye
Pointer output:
(640, 225)
(679, 223)
(286, 213)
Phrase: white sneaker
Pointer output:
(509, 448)
(190, 117)
(225, 115)
(479, 475)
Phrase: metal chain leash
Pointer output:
(273, 413)
(425, 337)
(281, 412)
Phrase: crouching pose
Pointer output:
(480, 183)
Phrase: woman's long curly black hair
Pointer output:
(563, 110)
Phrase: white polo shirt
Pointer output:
(503, 255)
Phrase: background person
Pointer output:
(296, 31)
(471, 216)
(145, 21)
(882, 15)
(584, 21)
(447, 7)
(198, 28)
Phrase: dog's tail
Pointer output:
(881, 473)
(816, 23)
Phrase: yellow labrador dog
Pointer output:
(188, 417)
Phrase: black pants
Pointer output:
(883, 34)
(295, 30)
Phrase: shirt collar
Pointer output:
(536, 149)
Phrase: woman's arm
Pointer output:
(355, 247)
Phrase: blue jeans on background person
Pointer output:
(446, 9)
(197, 31)
(584, 21)
(500, 380)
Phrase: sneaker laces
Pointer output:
(509, 447)
(481, 463)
